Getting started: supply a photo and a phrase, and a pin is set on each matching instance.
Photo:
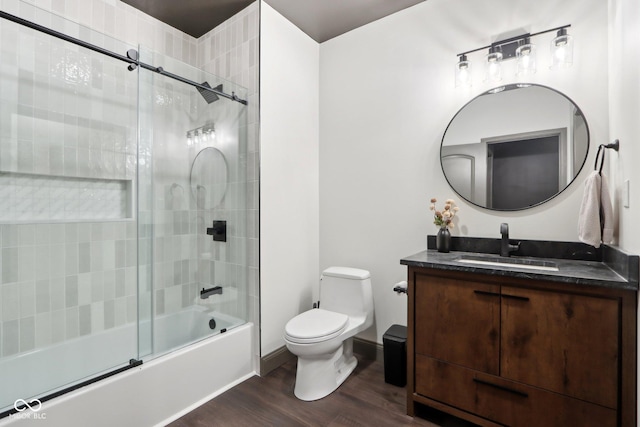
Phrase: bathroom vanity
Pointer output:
(541, 343)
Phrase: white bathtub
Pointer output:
(158, 391)
(171, 331)
(42, 371)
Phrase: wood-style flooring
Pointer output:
(364, 399)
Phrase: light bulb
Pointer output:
(493, 65)
(526, 54)
(463, 72)
(562, 50)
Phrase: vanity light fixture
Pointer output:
(523, 49)
(463, 72)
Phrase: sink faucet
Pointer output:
(505, 247)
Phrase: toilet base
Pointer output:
(318, 376)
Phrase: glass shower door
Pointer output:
(68, 134)
(192, 206)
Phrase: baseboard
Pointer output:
(368, 349)
(274, 360)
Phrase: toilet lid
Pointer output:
(315, 325)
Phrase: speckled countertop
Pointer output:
(591, 273)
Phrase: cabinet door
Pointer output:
(458, 321)
(561, 342)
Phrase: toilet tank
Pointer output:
(347, 290)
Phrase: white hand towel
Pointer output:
(606, 220)
(595, 223)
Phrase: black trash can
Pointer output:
(394, 343)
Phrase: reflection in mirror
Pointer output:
(514, 147)
(208, 178)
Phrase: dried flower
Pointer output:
(445, 217)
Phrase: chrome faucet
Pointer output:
(505, 247)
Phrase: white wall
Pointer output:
(289, 64)
(387, 95)
(624, 110)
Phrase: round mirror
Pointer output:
(514, 147)
(208, 178)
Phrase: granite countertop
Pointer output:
(592, 273)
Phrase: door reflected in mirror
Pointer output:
(515, 147)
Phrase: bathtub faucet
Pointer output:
(206, 293)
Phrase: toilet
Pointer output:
(322, 338)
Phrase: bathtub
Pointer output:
(158, 391)
(171, 331)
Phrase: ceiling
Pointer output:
(194, 17)
(320, 19)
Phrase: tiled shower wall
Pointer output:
(73, 278)
(231, 51)
(124, 23)
(67, 148)
(186, 259)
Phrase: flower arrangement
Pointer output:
(444, 218)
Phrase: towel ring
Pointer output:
(602, 148)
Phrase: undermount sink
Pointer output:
(495, 261)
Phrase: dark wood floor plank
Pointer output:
(363, 400)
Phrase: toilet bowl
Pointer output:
(322, 338)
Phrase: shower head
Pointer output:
(208, 95)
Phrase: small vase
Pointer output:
(443, 240)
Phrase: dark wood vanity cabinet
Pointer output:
(521, 352)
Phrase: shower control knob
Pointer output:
(218, 231)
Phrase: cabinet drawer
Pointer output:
(504, 401)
